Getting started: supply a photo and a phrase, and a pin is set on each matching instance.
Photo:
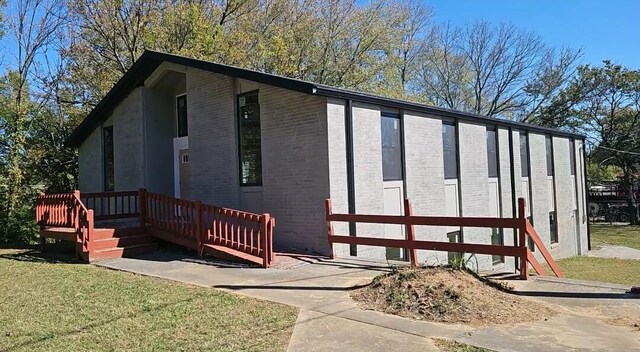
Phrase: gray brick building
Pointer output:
(265, 143)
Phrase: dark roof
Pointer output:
(150, 60)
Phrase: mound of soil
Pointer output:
(447, 295)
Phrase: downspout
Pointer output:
(351, 192)
(513, 191)
(586, 192)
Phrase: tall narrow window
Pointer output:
(524, 155)
(391, 148)
(492, 152)
(549, 148)
(249, 139)
(553, 227)
(107, 158)
(450, 150)
(181, 114)
(572, 157)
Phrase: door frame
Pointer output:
(179, 143)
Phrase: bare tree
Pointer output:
(495, 70)
(32, 26)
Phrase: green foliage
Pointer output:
(598, 173)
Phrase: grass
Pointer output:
(445, 345)
(617, 271)
(49, 305)
(620, 235)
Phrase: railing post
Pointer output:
(328, 211)
(522, 215)
(266, 256)
(142, 208)
(411, 235)
(199, 232)
(89, 234)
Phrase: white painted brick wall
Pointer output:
(474, 184)
(425, 178)
(567, 242)
(128, 143)
(506, 189)
(90, 163)
(213, 153)
(367, 161)
(539, 191)
(336, 136)
(295, 166)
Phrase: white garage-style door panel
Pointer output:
(393, 205)
(550, 192)
(525, 195)
(451, 201)
(494, 198)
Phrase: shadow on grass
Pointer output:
(54, 254)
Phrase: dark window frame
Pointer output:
(179, 121)
(496, 155)
(553, 227)
(456, 150)
(108, 162)
(258, 181)
(572, 156)
(499, 232)
(524, 167)
(548, 148)
(397, 175)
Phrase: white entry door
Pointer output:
(180, 164)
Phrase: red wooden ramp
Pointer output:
(222, 232)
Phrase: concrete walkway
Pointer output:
(611, 251)
(330, 321)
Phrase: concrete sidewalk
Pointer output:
(330, 321)
(611, 251)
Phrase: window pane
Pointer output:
(250, 140)
(497, 239)
(572, 156)
(492, 153)
(107, 158)
(450, 151)
(553, 227)
(183, 127)
(524, 155)
(454, 237)
(391, 149)
(549, 147)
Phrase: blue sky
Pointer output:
(605, 29)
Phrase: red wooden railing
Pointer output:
(67, 210)
(410, 244)
(112, 205)
(187, 223)
(196, 225)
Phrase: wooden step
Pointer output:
(59, 233)
(123, 241)
(229, 253)
(104, 233)
(120, 252)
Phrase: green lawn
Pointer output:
(48, 306)
(617, 271)
(628, 236)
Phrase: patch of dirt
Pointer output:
(446, 295)
(445, 345)
(634, 324)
